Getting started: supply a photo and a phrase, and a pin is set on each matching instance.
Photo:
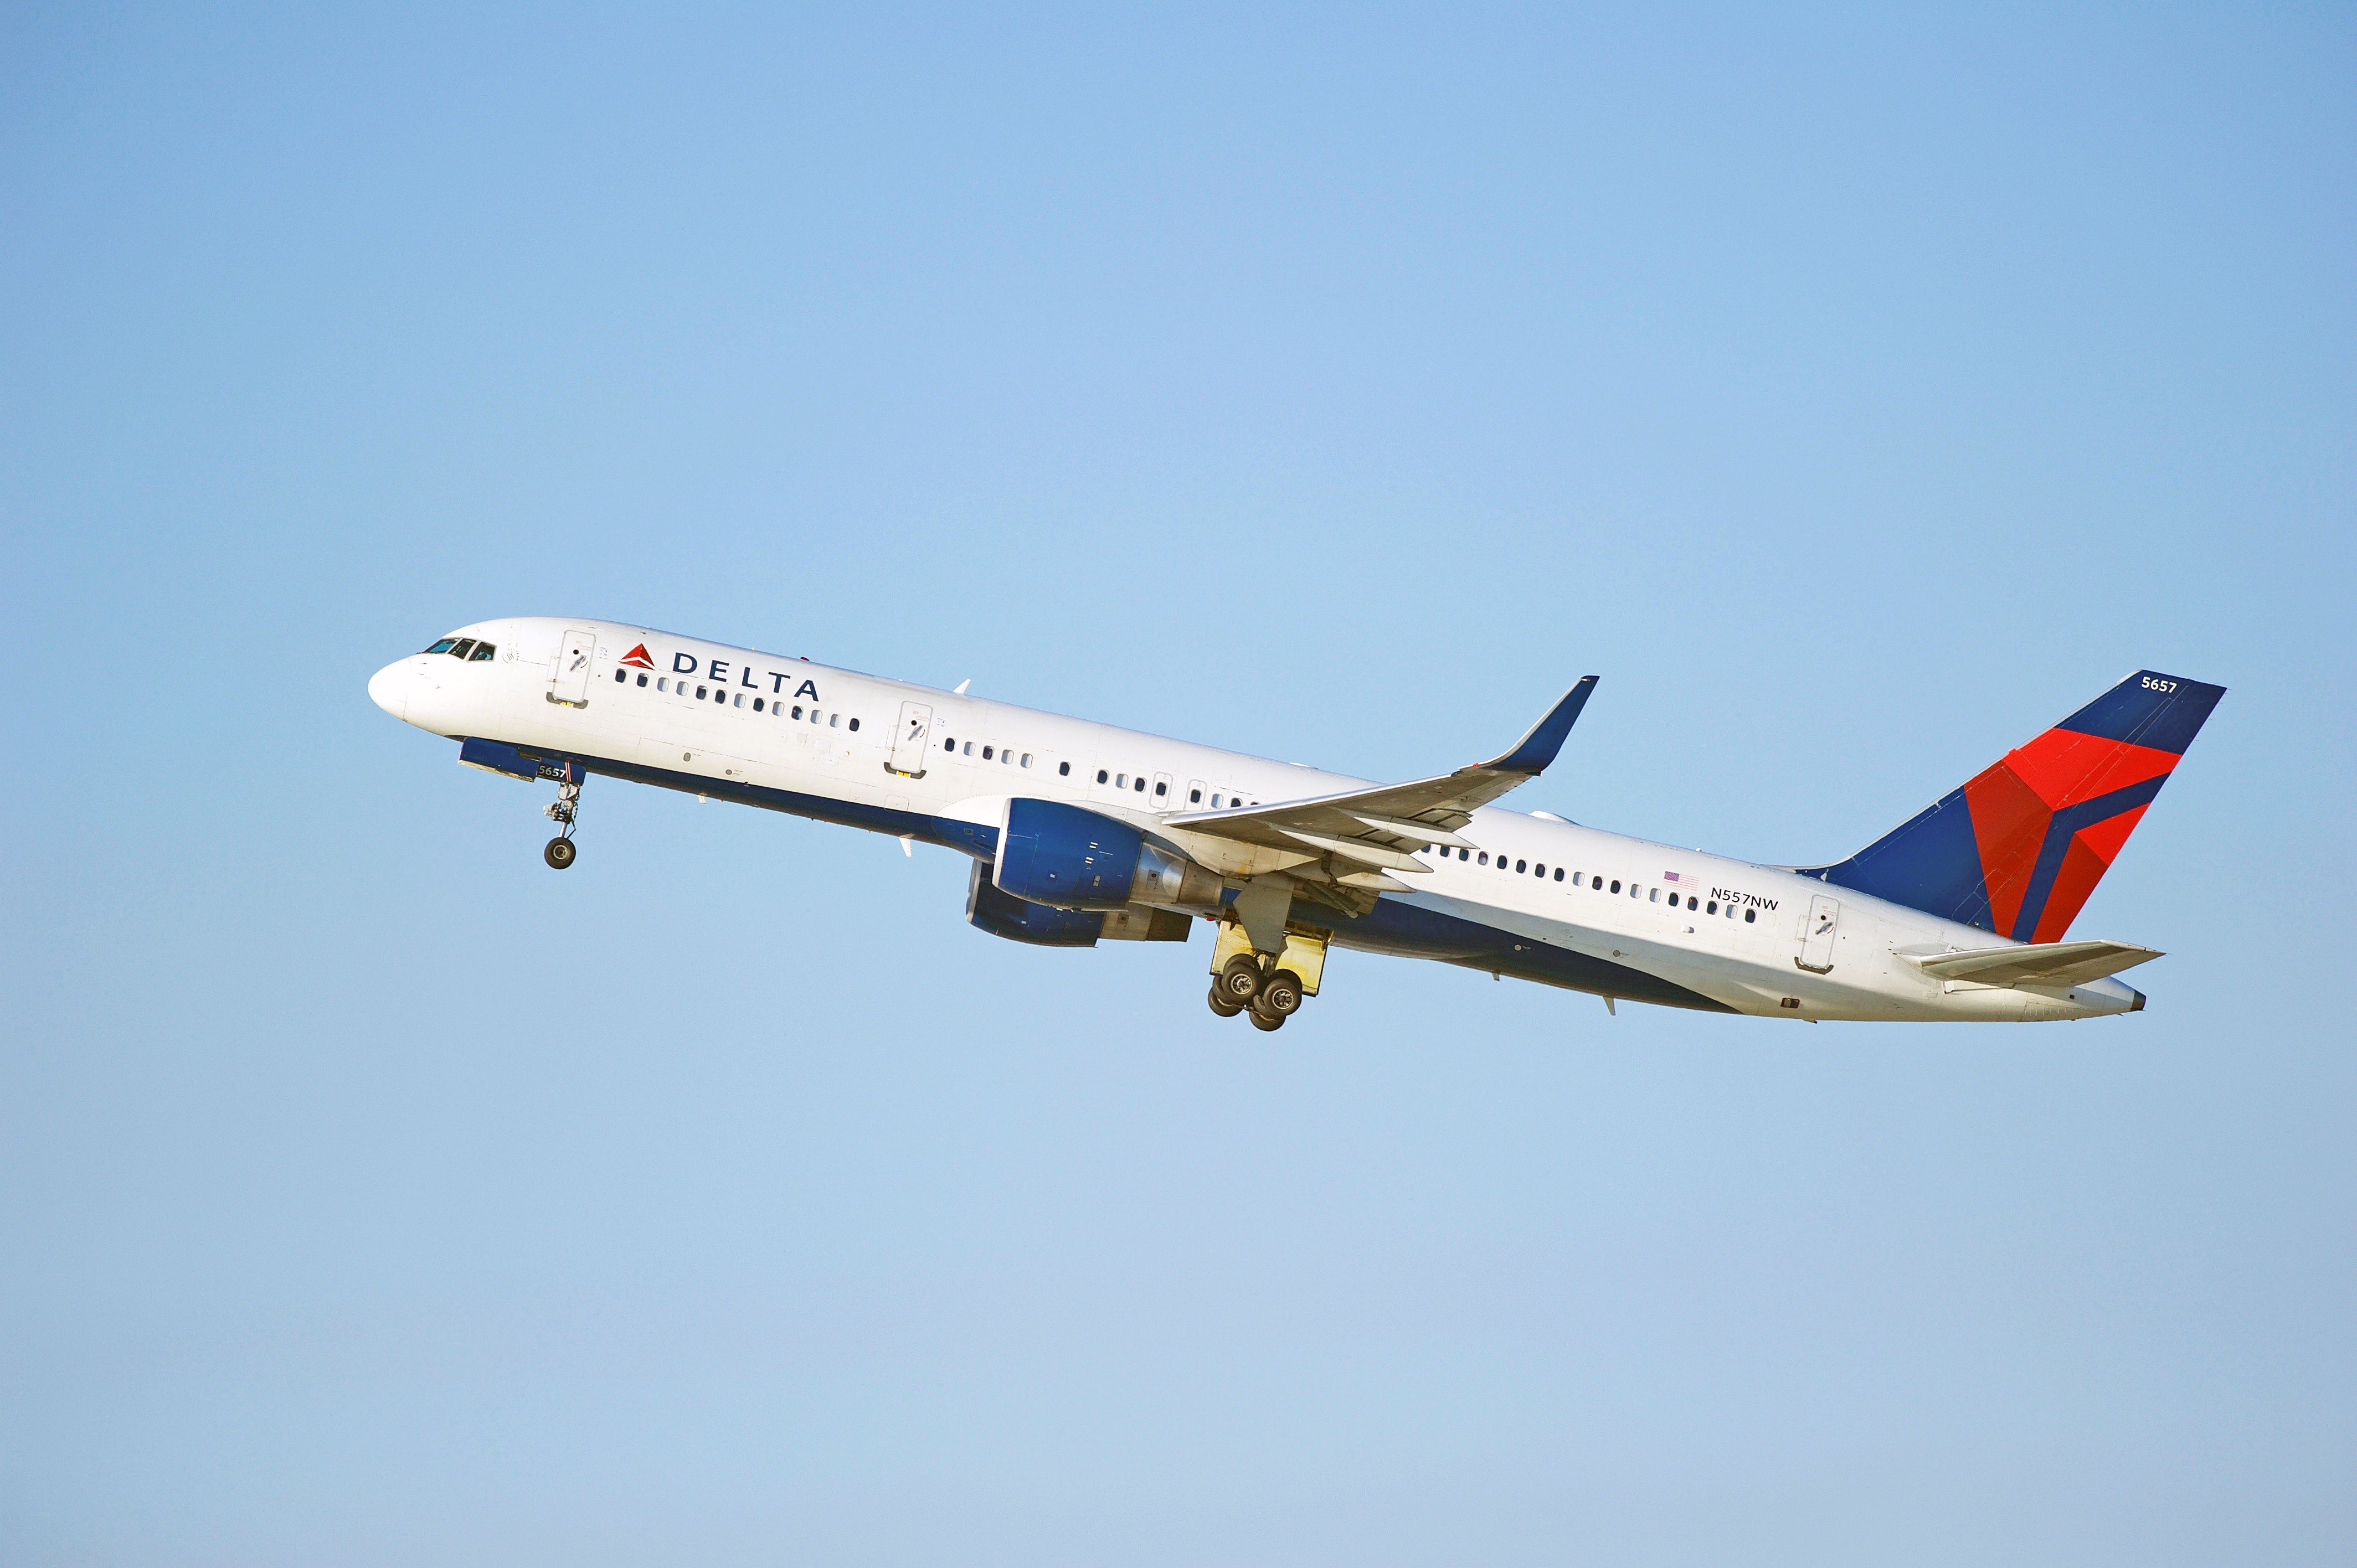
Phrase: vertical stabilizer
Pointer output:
(2018, 849)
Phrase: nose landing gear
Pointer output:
(561, 850)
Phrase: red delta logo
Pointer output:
(637, 657)
(2050, 818)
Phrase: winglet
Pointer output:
(1532, 754)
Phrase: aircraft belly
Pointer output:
(1447, 931)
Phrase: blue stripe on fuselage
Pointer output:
(1395, 927)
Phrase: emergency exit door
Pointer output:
(1817, 936)
(912, 740)
(568, 678)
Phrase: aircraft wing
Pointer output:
(1364, 833)
(2045, 963)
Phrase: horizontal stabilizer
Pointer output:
(2043, 964)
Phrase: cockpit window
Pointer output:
(482, 650)
(466, 646)
(443, 646)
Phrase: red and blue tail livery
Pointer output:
(2019, 848)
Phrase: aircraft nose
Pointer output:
(389, 690)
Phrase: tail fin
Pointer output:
(2018, 850)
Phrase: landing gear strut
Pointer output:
(562, 811)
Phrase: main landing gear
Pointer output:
(561, 812)
(1269, 987)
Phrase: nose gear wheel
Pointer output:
(564, 810)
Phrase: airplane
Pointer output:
(1081, 832)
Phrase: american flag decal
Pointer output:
(1672, 877)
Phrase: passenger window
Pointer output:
(834, 721)
(740, 699)
(642, 680)
(620, 676)
(1215, 802)
(1656, 897)
(1121, 780)
(702, 693)
(1140, 785)
(1616, 886)
(482, 650)
(466, 646)
(1162, 789)
(1538, 871)
(1691, 901)
(662, 683)
(1063, 770)
(1750, 916)
(756, 705)
(946, 745)
(1559, 873)
(986, 754)
(1194, 796)
(1485, 857)
(1026, 759)
(969, 748)
(1712, 908)
(854, 724)
(798, 709)
(1522, 865)
(1101, 775)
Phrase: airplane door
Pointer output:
(914, 740)
(568, 681)
(1817, 936)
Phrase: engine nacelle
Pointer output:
(1072, 858)
(1019, 921)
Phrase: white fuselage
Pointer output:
(1748, 938)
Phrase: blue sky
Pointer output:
(1854, 392)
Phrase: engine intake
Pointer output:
(1071, 858)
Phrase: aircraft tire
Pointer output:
(1240, 981)
(1222, 1005)
(1280, 995)
(1267, 1023)
(559, 852)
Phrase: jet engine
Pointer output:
(1018, 921)
(1069, 857)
